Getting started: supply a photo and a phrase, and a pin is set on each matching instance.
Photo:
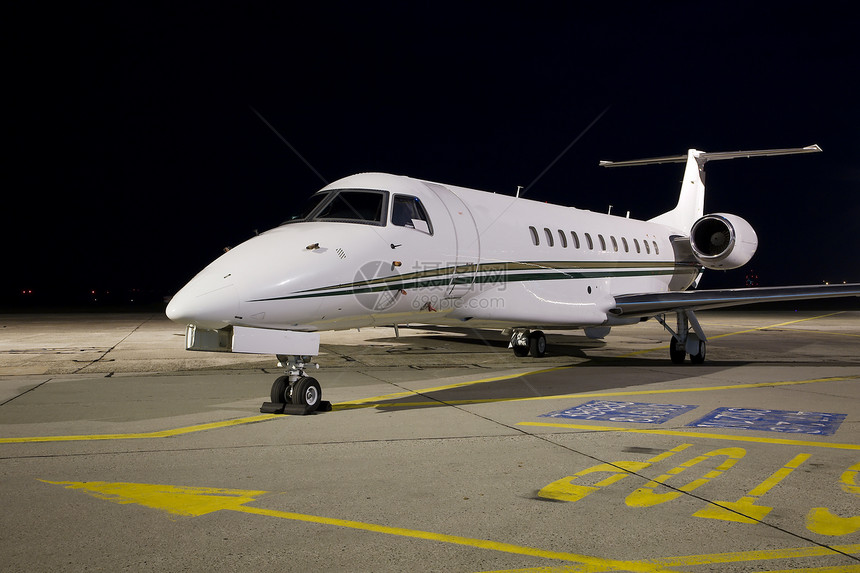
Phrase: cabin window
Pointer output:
(575, 238)
(624, 244)
(562, 238)
(656, 248)
(535, 236)
(636, 244)
(614, 243)
(355, 206)
(602, 242)
(409, 212)
(647, 248)
(589, 242)
(549, 238)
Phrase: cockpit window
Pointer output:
(301, 213)
(354, 206)
(409, 212)
(345, 205)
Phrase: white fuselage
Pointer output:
(479, 259)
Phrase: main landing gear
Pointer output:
(527, 342)
(295, 392)
(689, 338)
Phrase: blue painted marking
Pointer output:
(793, 422)
(616, 411)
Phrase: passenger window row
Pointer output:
(589, 242)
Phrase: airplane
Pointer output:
(376, 249)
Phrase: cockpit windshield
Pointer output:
(363, 206)
(302, 212)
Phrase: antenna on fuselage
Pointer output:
(519, 188)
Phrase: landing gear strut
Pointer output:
(295, 392)
(689, 338)
(527, 342)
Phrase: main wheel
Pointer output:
(281, 390)
(521, 351)
(700, 357)
(307, 392)
(537, 344)
(676, 354)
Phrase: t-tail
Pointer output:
(691, 200)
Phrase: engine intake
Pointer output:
(723, 241)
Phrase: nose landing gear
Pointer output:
(295, 392)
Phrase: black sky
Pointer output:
(135, 156)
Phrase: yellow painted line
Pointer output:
(730, 557)
(368, 404)
(834, 333)
(833, 569)
(593, 562)
(196, 501)
(144, 435)
(710, 436)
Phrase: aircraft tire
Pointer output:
(675, 354)
(537, 344)
(521, 351)
(700, 357)
(280, 390)
(307, 392)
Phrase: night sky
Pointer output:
(134, 153)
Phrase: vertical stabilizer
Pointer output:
(691, 200)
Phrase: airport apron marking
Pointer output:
(196, 501)
(616, 411)
(145, 435)
(795, 422)
(821, 520)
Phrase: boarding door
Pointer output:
(466, 238)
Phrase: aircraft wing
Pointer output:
(631, 305)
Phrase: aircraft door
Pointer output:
(467, 240)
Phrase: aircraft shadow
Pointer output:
(588, 373)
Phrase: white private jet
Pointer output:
(375, 249)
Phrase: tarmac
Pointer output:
(120, 450)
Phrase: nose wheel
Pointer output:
(295, 392)
(307, 392)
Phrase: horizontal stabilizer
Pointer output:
(703, 157)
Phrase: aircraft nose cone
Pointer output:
(204, 304)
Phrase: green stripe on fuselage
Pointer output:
(497, 273)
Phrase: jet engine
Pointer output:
(723, 241)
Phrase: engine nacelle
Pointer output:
(723, 241)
